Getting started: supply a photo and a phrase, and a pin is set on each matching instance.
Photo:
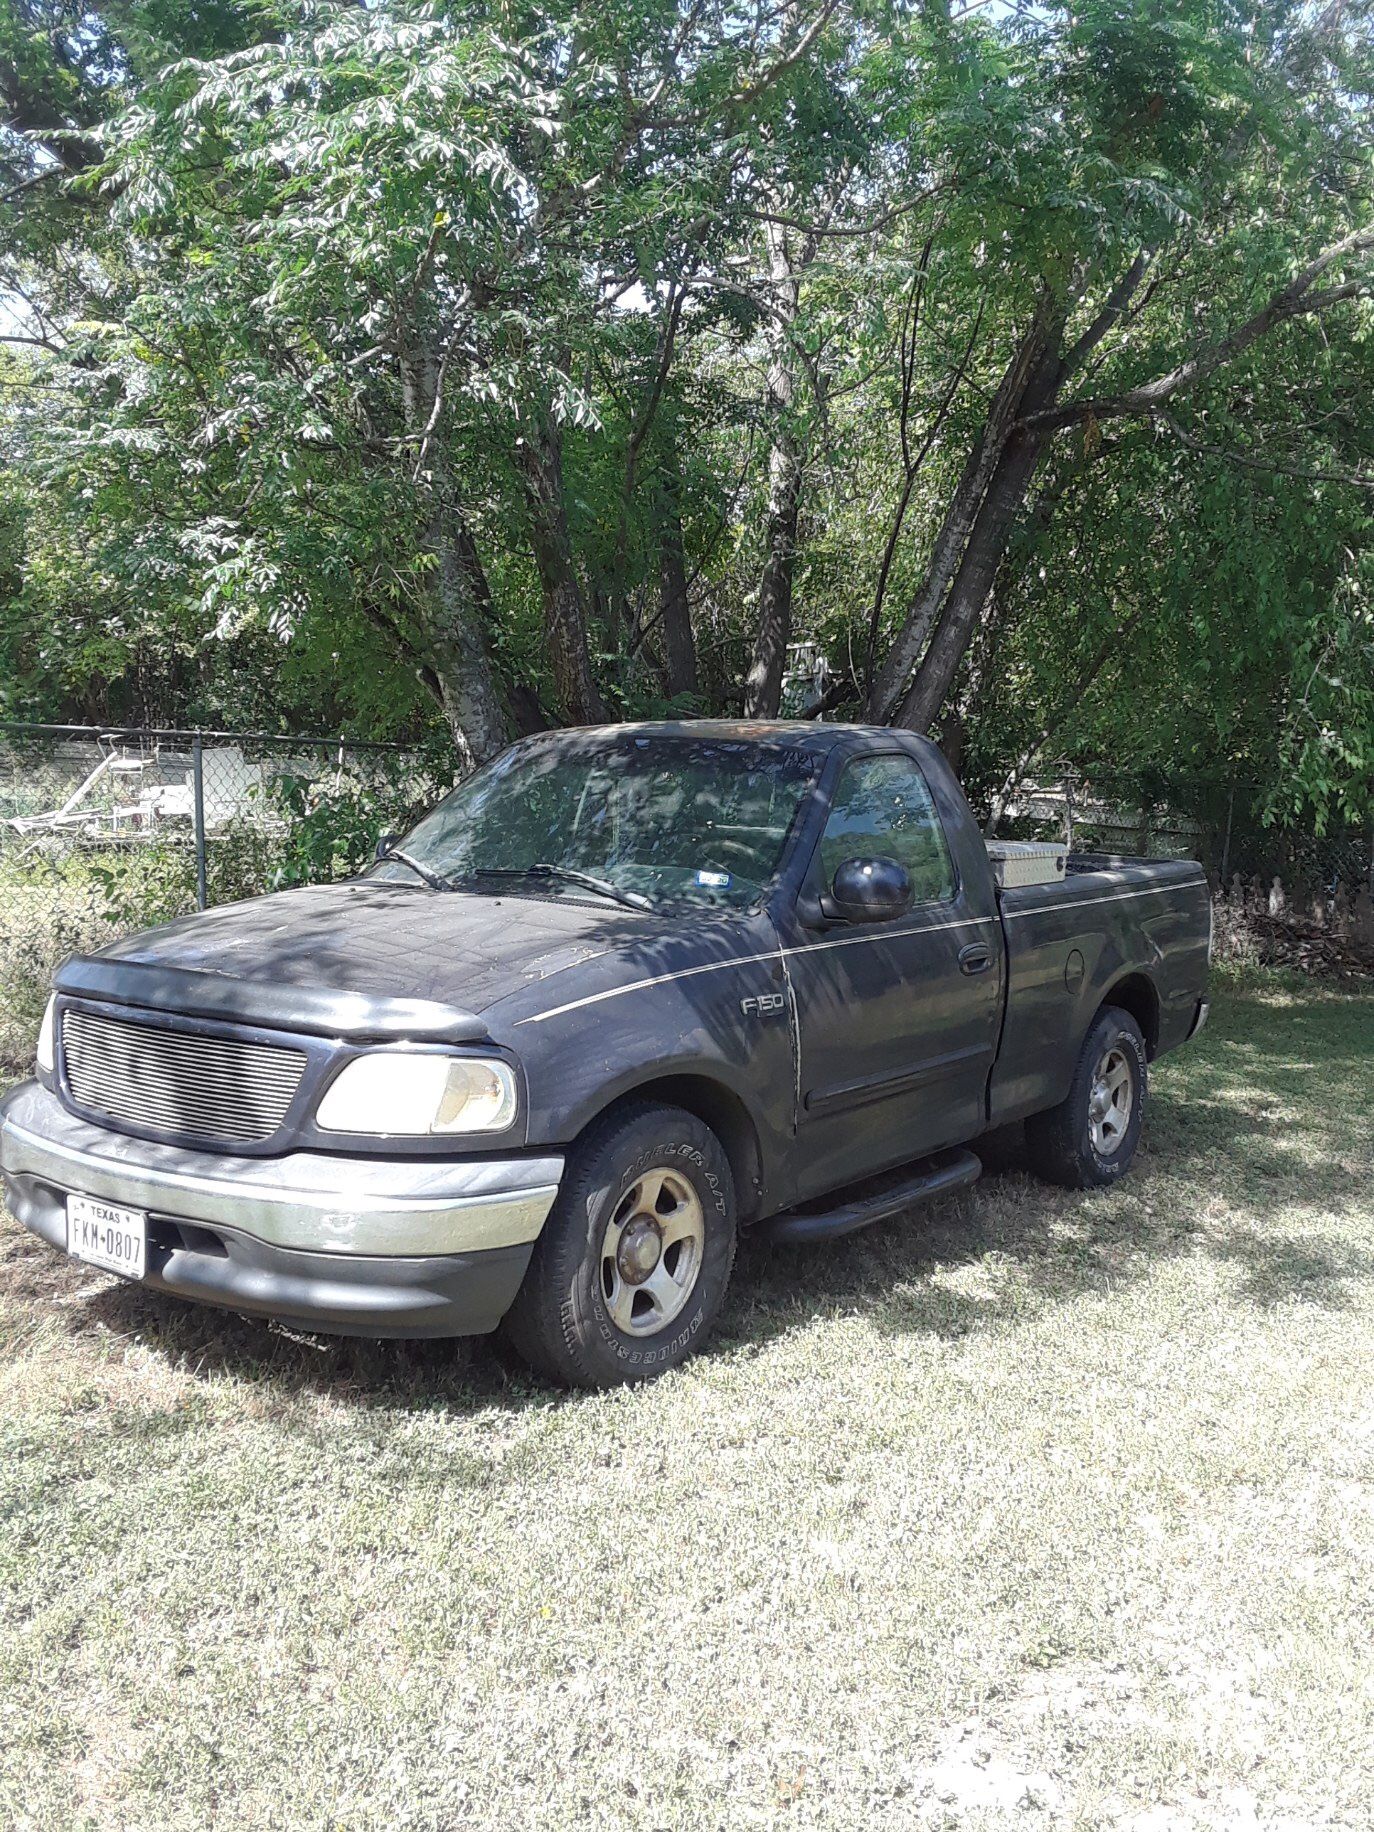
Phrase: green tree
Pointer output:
(498, 366)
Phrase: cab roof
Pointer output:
(790, 734)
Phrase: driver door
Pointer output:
(897, 1020)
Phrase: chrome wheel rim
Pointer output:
(651, 1252)
(1110, 1101)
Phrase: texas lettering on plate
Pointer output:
(107, 1236)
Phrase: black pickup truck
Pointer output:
(622, 993)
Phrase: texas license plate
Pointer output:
(114, 1238)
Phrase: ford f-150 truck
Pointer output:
(623, 993)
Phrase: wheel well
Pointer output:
(1137, 995)
(727, 1116)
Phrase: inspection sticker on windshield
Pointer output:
(114, 1238)
(714, 880)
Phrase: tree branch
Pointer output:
(35, 178)
(839, 231)
(33, 343)
(750, 92)
(1360, 479)
(1113, 309)
(792, 58)
(667, 337)
(912, 467)
(1295, 300)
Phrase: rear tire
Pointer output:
(1090, 1138)
(630, 1271)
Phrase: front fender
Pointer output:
(720, 1013)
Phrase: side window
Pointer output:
(883, 809)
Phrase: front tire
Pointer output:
(630, 1271)
(1090, 1138)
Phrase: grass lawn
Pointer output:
(1036, 1510)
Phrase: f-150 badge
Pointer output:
(761, 1006)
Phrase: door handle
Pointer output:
(976, 958)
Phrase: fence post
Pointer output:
(1226, 842)
(198, 777)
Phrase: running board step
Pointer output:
(941, 1175)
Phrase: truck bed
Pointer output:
(1070, 943)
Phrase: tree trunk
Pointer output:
(1005, 495)
(964, 510)
(952, 737)
(763, 683)
(455, 607)
(986, 506)
(679, 645)
(565, 609)
(983, 554)
(468, 691)
(988, 548)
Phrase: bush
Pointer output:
(58, 900)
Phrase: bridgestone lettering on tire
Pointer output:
(630, 1270)
(1090, 1138)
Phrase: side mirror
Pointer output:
(870, 890)
(385, 842)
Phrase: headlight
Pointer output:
(45, 1048)
(394, 1091)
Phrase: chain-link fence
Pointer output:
(107, 830)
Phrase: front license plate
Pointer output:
(114, 1238)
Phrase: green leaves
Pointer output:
(319, 280)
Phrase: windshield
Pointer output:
(662, 819)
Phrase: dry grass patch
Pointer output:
(1037, 1511)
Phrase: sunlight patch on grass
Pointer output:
(1036, 1510)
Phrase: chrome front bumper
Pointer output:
(305, 1200)
(363, 1246)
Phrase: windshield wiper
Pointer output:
(431, 878)
(631, 899)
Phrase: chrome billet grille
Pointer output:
(175, 1081)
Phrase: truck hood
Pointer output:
(363, 959)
